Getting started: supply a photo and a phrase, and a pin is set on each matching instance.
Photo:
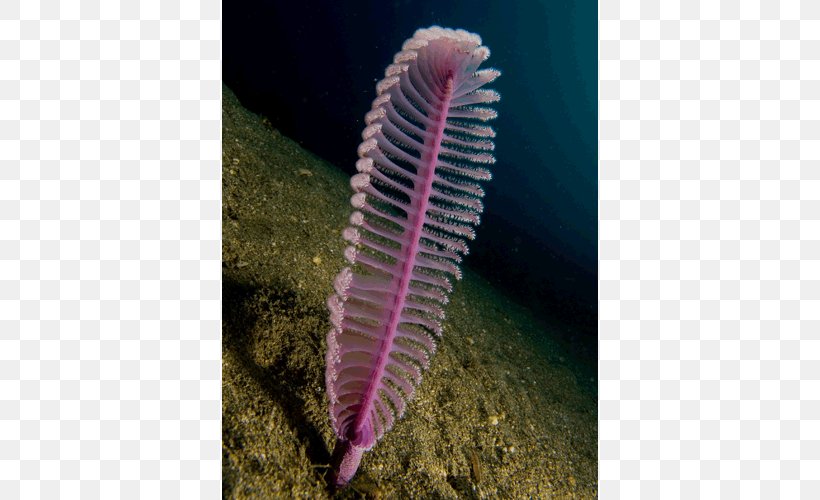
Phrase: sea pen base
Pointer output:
(345, 462)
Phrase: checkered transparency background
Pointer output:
(710, 249)
(109, 249)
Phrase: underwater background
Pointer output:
(311, 67)
(508, 407)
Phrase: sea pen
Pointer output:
(416, 200)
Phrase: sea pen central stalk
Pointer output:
(416, 213)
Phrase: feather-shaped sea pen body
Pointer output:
(417, 198)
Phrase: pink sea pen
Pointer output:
(417, 198)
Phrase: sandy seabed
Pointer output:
(503, 411)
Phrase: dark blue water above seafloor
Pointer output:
(311, 68)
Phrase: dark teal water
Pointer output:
(311, 68)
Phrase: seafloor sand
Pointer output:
(498, 415)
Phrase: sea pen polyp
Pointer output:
(416, 201)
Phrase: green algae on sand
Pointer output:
(498, 414)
